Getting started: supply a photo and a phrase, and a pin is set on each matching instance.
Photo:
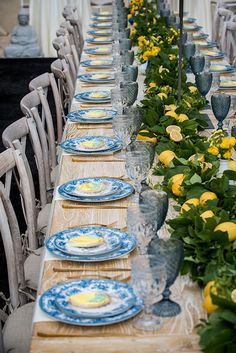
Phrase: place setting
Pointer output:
(91, 145)
(99, 40)
(92, 116)
(97, 78)
(98, 51)
(94, 97)
(101, 33)
(97, 63)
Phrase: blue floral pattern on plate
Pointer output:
(97, 63)
(73, 145)
(97, 77)
(128, 244)
(99, 40)
(213, 54)
(99, 50)
(121, 295)
(82, 116)
(200, 36)
(228, 84)
(123, 189)
(112, 240)
(101, 18)
(47, 303)
(89, 97)
(222, 68)
(100, 33)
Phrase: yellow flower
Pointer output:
(141, 38)
(228, 154)
(163, 69)
(182, 117)
(228, 142)
(166, 89)
(129, 16)
(172, 114)
(192, 89)
(133, 32)
(146, 55)
(162, 95)
(213, 150)
(152, 84)
(155, 51)
(135, 24)
(171, 57)
(171, 107)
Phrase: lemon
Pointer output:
(185, 207)
(182, 117)
(208, 305)
(206, 214)
(172, 114)
(166, 157)
(228, 227)
(197, 157)
(176, 182)
(146, 138)
(209, 288)
(232, 165)
(171, 128)
(233, 295)
(176, 136)
(207, 196)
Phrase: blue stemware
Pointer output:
(220, 104)
(189, 50)
(203, 82)
(197, 63)
(172, 252)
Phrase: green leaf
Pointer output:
(195, 179)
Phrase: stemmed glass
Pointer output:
(122, 127)
(148, 148)
(189, 50)
(142, 223)
(197, 63)
(220, 104)
(137, 167)
(158, 200)
(136, 115)
(119, 98)
(172, 252)
(203, 82)
(148, 280)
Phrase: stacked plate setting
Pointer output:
(91, 145)
(92, 116)
(94, 97)
(121, 302)
(106, 244)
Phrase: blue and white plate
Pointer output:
(105, 77)
(121, 296)
(101, 19)
(101, 25)
(101, 33)
(228, 84)
(94, 97)
(103, 14)
(191, 27)
(111, 241)
(47, 303)
(99, 50)
(97, 63)
(110, 189)
(221, 68)
(88, 116)
(99, 40)
(204, 44)
(73, 145)
(200, 35)
(189, 19)
(213, 54)
(128, 244)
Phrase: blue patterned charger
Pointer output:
(100, 33)
(84, 115)
(111, 241)
(116, 189)
(102, 77)
(94, 97)
(200, 35)
(73, 145)
(191, 27)
(97, 63)
(189, 19)
(102, 25)
(128, 244)
(99, 40)
(99, 50)
(203, 44)
(121, 296)
(103, 14)
(101, 19)
(213, 54)
(221, 68)
(228, 84)
(47, 303)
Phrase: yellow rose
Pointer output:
(228, 142)
(213, 150)
(155, 51)
(171, 107)
(192, 89)
(228, 154)
(152, 84)
(162, 95)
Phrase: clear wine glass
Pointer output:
(137, 167)
(148, 277)
(220, 104)
(122, 127)
(142, 223)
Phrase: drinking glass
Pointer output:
(148, 148)
(203, 82)
(189, 50)
(197, 63)
(122, 127)
(215, 81)
(158, 200)
(137, 167)
(118, 99)
(148, 276)
(136, 115)
(142, 223)
(220, 104)
(172, 252)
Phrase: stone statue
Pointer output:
(23, 42)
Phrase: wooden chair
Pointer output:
(35, 105)
(70, 14)
(27, 267)
(63, 43)
(61, 71)
(66, 54)
(47, 82)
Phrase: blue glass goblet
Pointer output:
(203, 82)
(197, 63)
(220, 104)
(172, 252)
(189, 50)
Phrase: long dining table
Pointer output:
(178, 334)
